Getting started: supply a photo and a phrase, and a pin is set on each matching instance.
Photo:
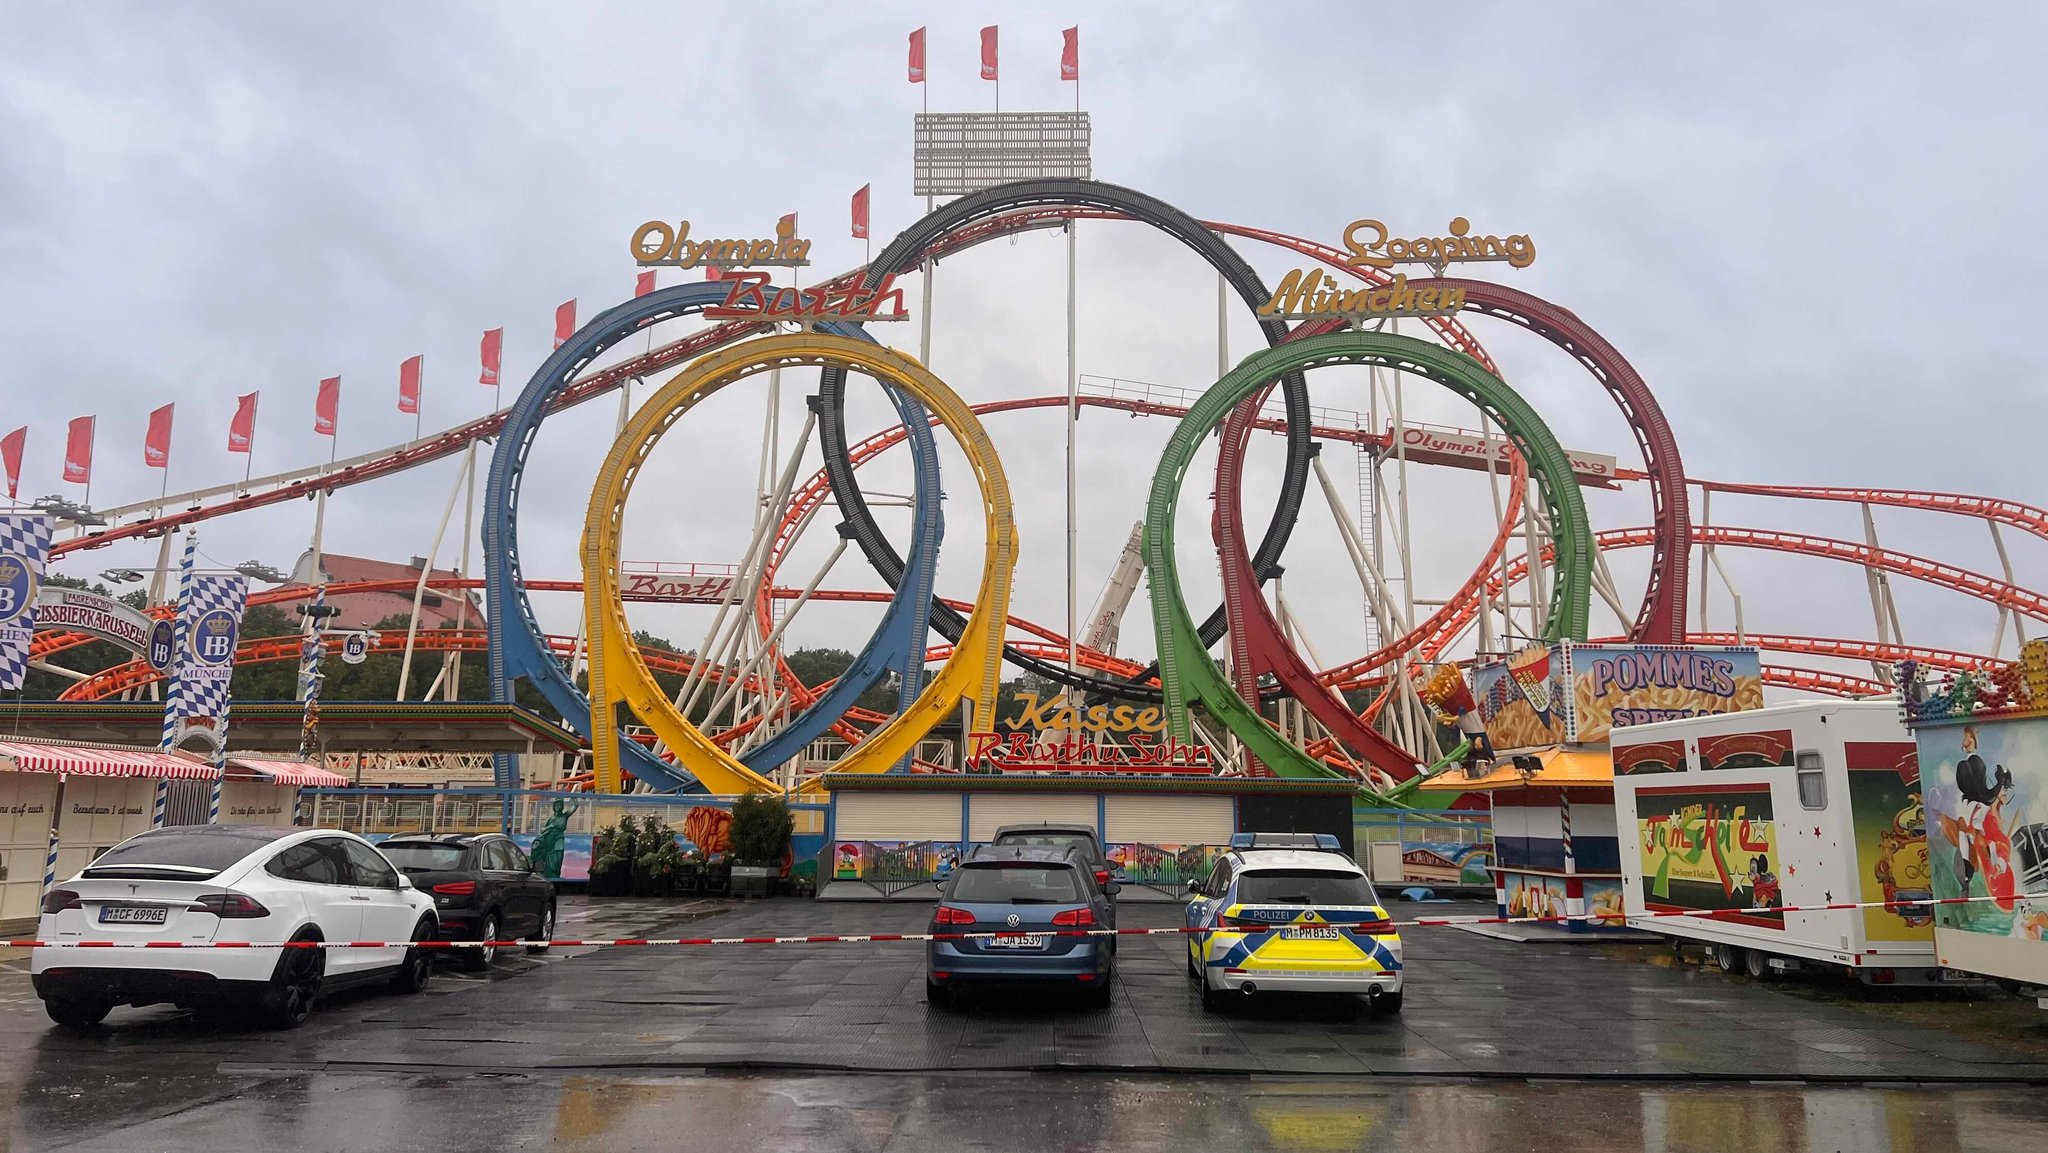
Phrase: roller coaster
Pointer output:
(1278, 710)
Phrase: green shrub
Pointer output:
(761, 828)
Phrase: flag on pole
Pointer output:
(494, 353)
(643, 284)
(10, 456)
(1070, 54)
(565, 321)
(409, 384)
(242, 430)
(786, 226)
(860, 213)
(988, 53)
(713, 272)
(327, 406)
(78, 450)
(156, 447)
(917, 57)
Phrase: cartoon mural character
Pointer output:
(1979, 835)
(1902, 849)
(846, 862)
(1763, 884)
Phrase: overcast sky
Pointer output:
(1812, 230)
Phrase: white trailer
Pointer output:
(1801, 804)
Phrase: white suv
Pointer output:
(203, 884)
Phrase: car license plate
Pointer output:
(1019, 941)
(1957, 975)
(132, 914)
(1310, 933)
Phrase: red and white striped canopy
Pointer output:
(85, 761)
(290, 772)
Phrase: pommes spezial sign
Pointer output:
(1310, 294)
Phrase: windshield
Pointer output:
(1016, 884)
(181, 853)
(1303, 887)
(423, 856)
(1051, 839)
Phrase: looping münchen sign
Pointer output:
(1309, 294)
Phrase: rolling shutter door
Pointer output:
(897, 816)
(1171, 820)
(987, 812)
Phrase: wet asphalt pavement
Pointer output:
(830, 1047)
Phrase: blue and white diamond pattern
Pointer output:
(24, 546)
(212, 615)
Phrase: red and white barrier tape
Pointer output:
(854, 939)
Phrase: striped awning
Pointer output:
(87, 761)
(285, 772)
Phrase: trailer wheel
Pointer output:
(1757, 964)
(1728, 957)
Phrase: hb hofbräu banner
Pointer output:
(24, 546)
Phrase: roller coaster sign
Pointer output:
(1310, 294)
(751, 297)
(1051, 735)
(657, 244)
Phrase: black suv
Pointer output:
(483, 886)
(1080, 838)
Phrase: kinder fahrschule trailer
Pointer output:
(1800, 804)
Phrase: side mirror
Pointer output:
(1194, 888)
(405, 883)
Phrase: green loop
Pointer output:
(1187, 673)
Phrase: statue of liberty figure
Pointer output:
(547, 844)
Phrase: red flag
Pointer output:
(10, 456)
(565, 321)
(917, 57)
(988, 53)
(786, 226)
(860, 213)
(156, 447)
(494, 351)
(1070, 54)
(327, 406)
(242, 430)
(78, 450)
(713, 272)
(409, 384)
(644, 283)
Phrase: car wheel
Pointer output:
(1194, 964)
(1387, 1004)
(77, 1012)
(418, 966)
(546, 932)
(1728, 958)
(1212, 1000)
(478, 959)
(1757, 964)
(938, 996)
(295, 986)
(1101, 996)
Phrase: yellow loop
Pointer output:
(617, 671)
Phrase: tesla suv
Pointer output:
(484, 889)
(201, 885)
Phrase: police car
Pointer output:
(1291, 913)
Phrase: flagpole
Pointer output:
(1073, 415)
(419, 402)
(92, 444)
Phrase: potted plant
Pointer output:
(761, 827)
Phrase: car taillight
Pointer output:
(1374, 927)
(1102, 876)
(1074, 917)
(456, 889)
(58, 900)
(228, 906)
(948, 915)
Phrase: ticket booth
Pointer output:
(256, 791)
